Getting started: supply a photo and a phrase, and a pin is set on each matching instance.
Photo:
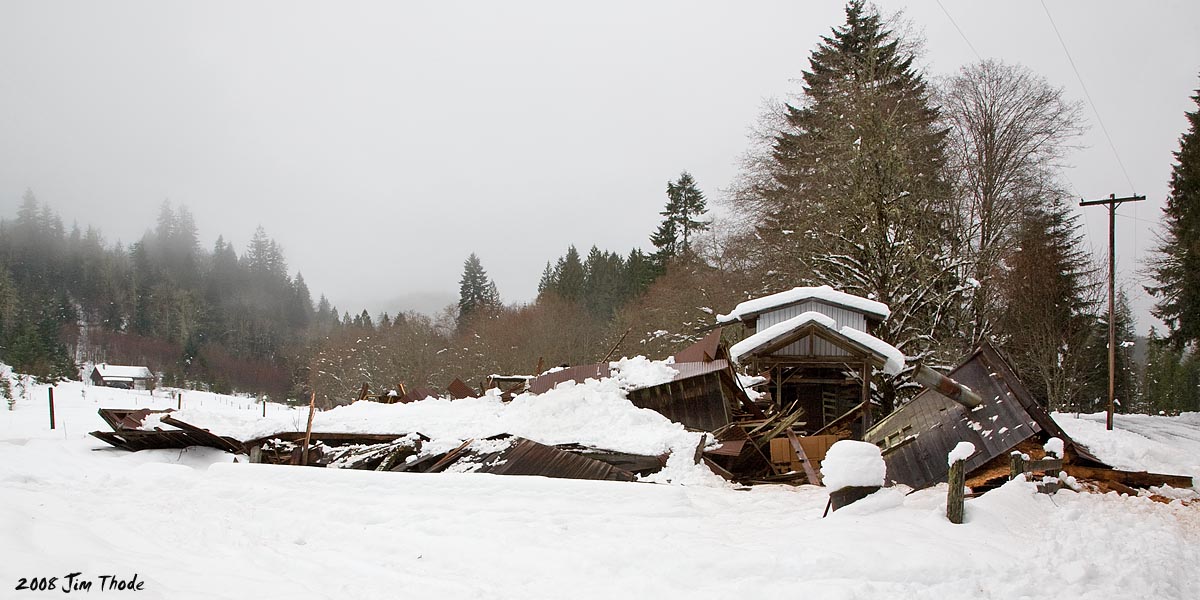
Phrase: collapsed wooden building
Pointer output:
(982, 401)
(814, 358)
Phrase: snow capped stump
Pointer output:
(853, 470)
(955, 480)
(962, 451)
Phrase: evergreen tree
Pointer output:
(1093, 394)
(1048, 319)
(681, 218)
(1171, 382)
(856, 197)
(666, 240)
(569, 275)
(477, 292)
(685, 206)
(1177, 266)
(548, 281)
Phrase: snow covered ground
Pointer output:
(194, 524)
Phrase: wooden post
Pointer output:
(264, 403)
(1016, 465)
(1112, 201)
(51, 390)
(312, 402)
(179, 399)
(866, 398)
(955, 498)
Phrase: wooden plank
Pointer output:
(813, 477)
(1045, 464)
(715, 468)
(204, 437)
(1134, 479)
(449, 457)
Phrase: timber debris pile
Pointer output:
(767, 409)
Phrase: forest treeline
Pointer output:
(941, 197)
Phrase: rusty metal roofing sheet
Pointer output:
(728, 448)
(704, 350)
(546, 382)
(527, 457)
(699, 396)
(459, 390)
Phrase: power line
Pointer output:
(1139, 219)
(1087, 95)
(960, 31)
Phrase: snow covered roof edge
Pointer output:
(893, 358)
(757, 306)
(107, 370)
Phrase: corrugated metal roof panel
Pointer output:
(527, 457)
(546, 382)
(704, 350)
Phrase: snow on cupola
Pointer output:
(816, 345)
(806, 299)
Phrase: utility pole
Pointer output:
(1112, 202)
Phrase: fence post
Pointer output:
(955, 497)
(312, 402)
(51, 390)
(1016, 465)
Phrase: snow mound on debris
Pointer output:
(641, 372)
(593, 413)
(852, 463)
(1152, 443)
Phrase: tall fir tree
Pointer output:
(1048, 318)
(1177, 265)
(477, 294)
(856, 198)
(682, 217)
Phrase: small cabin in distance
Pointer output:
(816, 346)
(123, 376)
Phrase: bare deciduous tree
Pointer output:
(1008, 130)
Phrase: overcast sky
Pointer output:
(381, 143)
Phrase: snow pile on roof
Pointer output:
(853, 463)
(893, 358)
(748, 382)
(122, 371)
(962, 451)
(641, 372)
(800, 294)
(154, 422)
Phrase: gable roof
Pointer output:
(108, 371)
(809, 323)
(751, 309)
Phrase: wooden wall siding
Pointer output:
(995, 427)
(841, 316)
(700, 402)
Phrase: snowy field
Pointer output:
(194, 524)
